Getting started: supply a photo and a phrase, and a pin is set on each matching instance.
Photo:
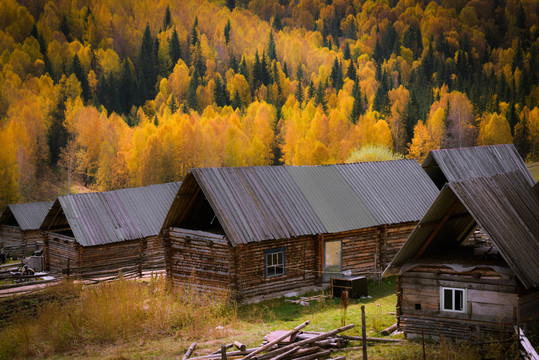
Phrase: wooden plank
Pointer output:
(492, 297)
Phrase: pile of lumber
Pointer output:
(284, 345)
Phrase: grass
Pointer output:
(534, 169)
(130, 319)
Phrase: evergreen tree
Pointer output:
(198, 61)
(231, 4)
(299, 93)
(381, 99)
(346, 52)
(285, 69)
(310, 92)
(236, 101)
(227, 32)
(272, 52)
(320, 98)
(220, 93)
(192, 99)
(127, 87)
(511, 117)
(167, 20)
(194, 33)
(58, 135)
(299, 73)
(522, 137)
(336, 75)
(358, 108)
(351, 71)
(277, 25)
(244, 70)
(264, 67)
(233, 63)
(76, 68)
(147, 67)
(174, 48)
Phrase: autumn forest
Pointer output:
(119, 93)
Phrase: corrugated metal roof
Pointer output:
(464, 163)
(263, 203)
(385, 186)
(505, 206)
(113, 216)
(28, 216)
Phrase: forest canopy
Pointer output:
(135, 92)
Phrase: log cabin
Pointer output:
(260, 232)
(19, 228)
(445, 286)
(97, 235)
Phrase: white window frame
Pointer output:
(453, 290)
(274, 254)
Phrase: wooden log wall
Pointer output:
(392, 237)
(359, 250)
(59, 251)
(492, 301)
(12, 235)
(201, 260)
(108, 260)
(154, 254)
(300, 257)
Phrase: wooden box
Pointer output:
(356, 286)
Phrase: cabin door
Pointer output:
(332, 259)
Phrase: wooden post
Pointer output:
(363, 332)
(223, 352)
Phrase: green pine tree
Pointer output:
(174, 48)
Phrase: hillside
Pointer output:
(130, 93)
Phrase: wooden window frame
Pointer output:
(274, 253)
(454, 290)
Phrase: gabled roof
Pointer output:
(505, 206)
(264, 203)
(28, 216)
(113, 216)
(447, 165)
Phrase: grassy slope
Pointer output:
(252, 322)
(534, 169)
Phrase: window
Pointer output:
(275, 262)
(453, 299)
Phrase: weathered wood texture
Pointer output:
(392, 238)
(59, 252)
(299, 267)
(359, 250)
(201, 261)
(63, 255)
(18, 242)
(492, 301)
(208, 261)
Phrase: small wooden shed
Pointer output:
(19, 227)
(262, 231)
(447, 287)
(99, 234)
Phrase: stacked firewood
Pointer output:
(285, 345)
